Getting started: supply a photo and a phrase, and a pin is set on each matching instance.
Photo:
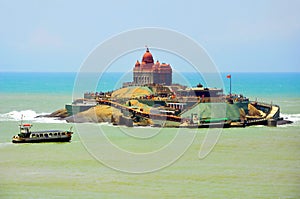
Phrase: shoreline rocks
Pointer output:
(97, 114)
(61, 113)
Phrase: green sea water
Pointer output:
(255, 162)
(252, 162)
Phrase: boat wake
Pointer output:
(28, 115)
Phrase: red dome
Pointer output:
(137, 63)
(148, 58)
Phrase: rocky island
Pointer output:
(152, 99)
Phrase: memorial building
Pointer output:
(147, 72)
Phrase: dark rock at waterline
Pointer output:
(62, 113)
(282, 121)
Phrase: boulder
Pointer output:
(252, 111)
(131, 92)
(242, 114)
(97, 114)
(61, 113)
(140, 106)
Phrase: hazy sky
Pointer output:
(240, 36)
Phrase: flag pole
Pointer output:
(229, 76)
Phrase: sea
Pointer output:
(107, 161)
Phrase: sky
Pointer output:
(239, 36)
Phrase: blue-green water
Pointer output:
(46, 92)
(250, 84)
(254, 162)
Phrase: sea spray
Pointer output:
(28, 115)
(295, 118)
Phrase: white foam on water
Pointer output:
(17, 115)
(28, 115)
(292, 117)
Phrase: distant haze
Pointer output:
(239, 36)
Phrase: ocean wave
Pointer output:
(28, 115)
(292, 117)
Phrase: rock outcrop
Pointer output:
(61, 113)
(252, 111)
(131, 92)
(97, 114)
(140, 106)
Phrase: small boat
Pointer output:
(27, 136)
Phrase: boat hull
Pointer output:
(34, 140)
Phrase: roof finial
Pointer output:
(147, 50)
